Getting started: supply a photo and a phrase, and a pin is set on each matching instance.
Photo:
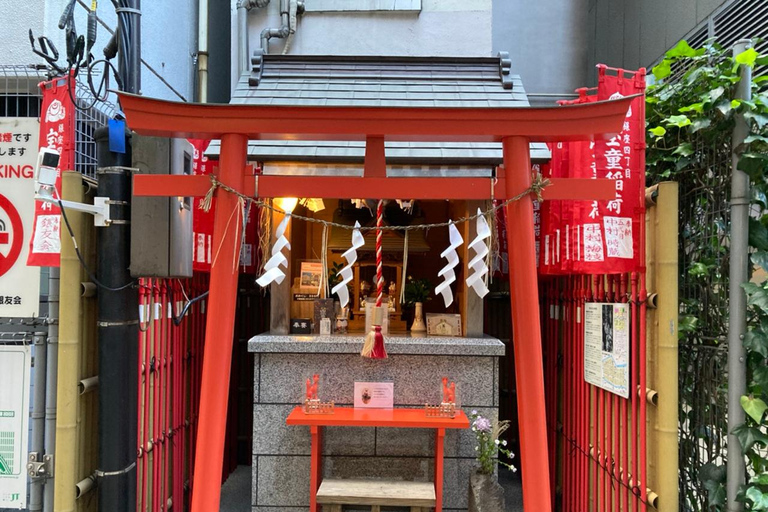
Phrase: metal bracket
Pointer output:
(99, 209)
(38, 467)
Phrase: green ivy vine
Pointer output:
(691, 113)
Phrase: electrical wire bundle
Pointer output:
(79, 56)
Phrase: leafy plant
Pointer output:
(691, 114)
(417, 290)
(333, 274)
(489, 444)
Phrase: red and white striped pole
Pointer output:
(374, 340)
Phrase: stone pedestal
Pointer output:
(416, 365)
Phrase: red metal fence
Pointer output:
(597, 439)
(170, 357)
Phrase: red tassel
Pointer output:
(373, 347)
(379, 352)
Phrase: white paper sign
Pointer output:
(606, 346)
(14, 420)
(618, 237)
(19, 284)
(374, 395)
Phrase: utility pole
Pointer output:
(117, 298)
(737, 308)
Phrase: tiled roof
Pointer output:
(311, 80)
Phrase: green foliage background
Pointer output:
(690, 118)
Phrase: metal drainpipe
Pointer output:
(202, 52)
(51, 379)
(282, 32)
(37, 417)
(737, 310)
(242, 38)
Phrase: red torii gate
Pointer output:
(513, 127)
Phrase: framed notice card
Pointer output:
(374, 395)
(606, 347)
(311, 275)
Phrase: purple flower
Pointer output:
(483, 424)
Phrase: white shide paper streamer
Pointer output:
(272, 272)
(479, 269)
(346, 273)
(447, 272)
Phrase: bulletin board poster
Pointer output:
(606, 346)
(14, 419)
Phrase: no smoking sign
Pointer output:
(19, 283)
(11, 235)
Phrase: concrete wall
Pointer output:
(442, 28)
(18, 17)
(281, 462)
(547, 42)
(632, 34)
(169, 38)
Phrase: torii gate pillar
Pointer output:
(236, 123)
(526, 328)
(222, 299)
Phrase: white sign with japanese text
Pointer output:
(14, 424)
(19, 283)
(606, 346)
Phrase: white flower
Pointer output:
(474, 412)
(475, 448)
(504, 443)
(497, 442)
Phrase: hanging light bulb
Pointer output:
(286, 204)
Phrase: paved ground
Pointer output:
(236, 491)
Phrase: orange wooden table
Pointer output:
(394, 418)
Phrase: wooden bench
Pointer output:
(420, 496)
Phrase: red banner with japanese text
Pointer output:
(500, 261)
(611, 231)
(57, 131)
(587, 237)
(551, 213)
(202, 221)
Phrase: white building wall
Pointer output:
(169, 38)
(441, 28)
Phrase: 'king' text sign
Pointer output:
(19, 284)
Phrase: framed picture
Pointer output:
(443, 324)
(374, 395)
(310, 276)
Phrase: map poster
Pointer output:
(14, 417)
(606, 347)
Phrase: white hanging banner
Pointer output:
(14, 424)
(477, 265)
(272, 272)
(447, 273)
(346, 274)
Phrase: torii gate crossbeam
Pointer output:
(236, 124)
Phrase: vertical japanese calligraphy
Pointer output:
(57, 131)
(586, 237)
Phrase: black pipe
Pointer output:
(118, 327)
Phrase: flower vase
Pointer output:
(418, 319)
(485, 494)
